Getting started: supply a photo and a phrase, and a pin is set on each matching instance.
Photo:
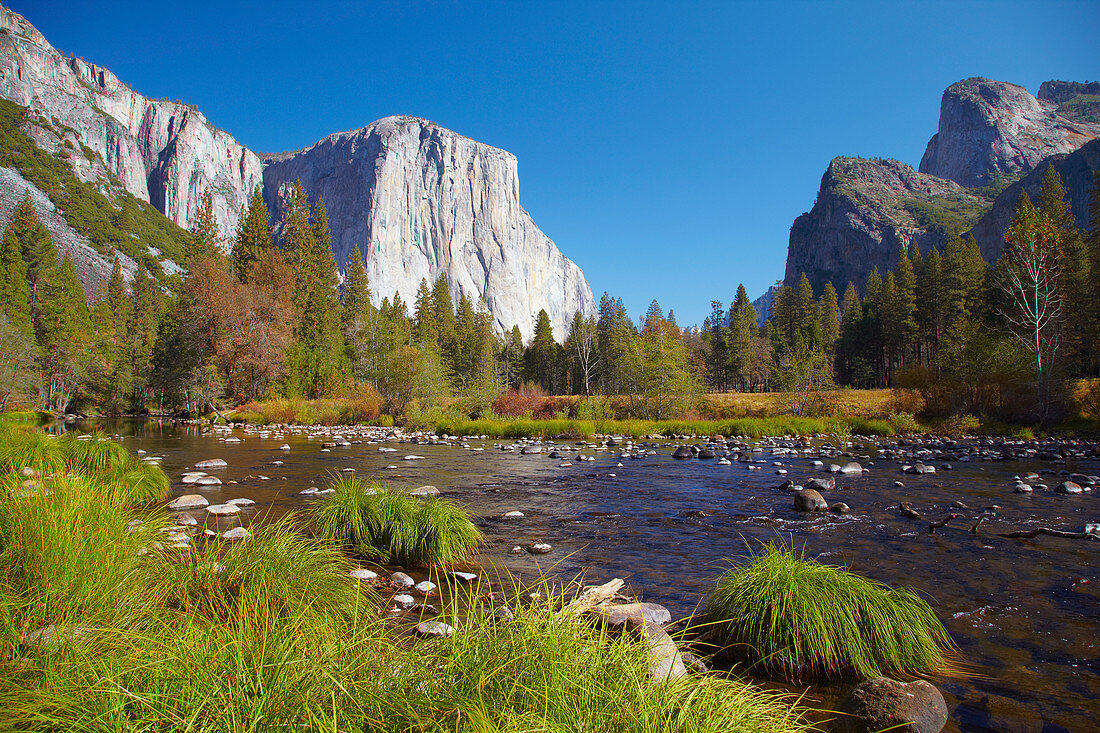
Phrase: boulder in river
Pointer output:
(882, 703)
(223, 509)
(682, 452)
(1068, 487)
(851, 467)
(425, 491)
(237, 533)
(402, 580)
(539, 548)
(436, 629)
(189, 501)
(809, 500)
(820, 484)
(212, 463)
(632, 613)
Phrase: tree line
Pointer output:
(277, 321)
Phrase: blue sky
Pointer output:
(666, 148)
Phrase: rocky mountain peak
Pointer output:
(992, 130)
(419, 200)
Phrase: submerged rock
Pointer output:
(212, 463)
(425, 491)
(434, 629)
(237, 533)
(882, 703)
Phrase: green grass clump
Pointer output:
(799, 619)
(390, 527)
(28, 448)
(276, 572)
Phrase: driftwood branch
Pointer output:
(592, 596)
(1030, 533)
(933, 526)
(978, 522)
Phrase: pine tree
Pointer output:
(930, 303)
(297, 231)
(542, 355)
(743, 339)
(204, 241)
(15, 294)
(614, 331)
(443, 314)
(253, 236)
(142, 331)
(39, 253)
(117, 309)
(465, 352)
(511, 358)
(829, 318)
(427, 328)
(65, 335)
(319, 340)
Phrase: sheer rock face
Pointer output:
(990, 130)
(418, 201)
(864, 211)
(1076, 170)
(162, 152)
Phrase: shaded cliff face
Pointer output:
(419, 200)
(162, 152)
(990, 130)
(1076, 170)
(865, 210)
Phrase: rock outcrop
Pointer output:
(990, 130)
(864, 211)
(163, 152)
(419, 200)
(1076, 170)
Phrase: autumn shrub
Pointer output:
(521, 402)
(364, 404)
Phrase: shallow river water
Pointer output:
(1025, 614)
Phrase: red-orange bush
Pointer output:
(364, 404)
(522, 402)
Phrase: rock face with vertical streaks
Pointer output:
(419, 200)
(163, 152)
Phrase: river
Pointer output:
(1024, 613)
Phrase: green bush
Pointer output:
(397, 528)
(799, 619)
(903, 422)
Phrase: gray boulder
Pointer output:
(809, 500)
(882, 703)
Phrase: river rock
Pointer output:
(463, 577)
(682, 452)
(402, 580)
(881, 703)
(185, 520)
(539, 548)
(192, 477)
(403, 601)
(809, 500)
(241, 502)
(820, 484)
(189, 501)
(212, 463)
(425, 586)
(362, 574)
(223, 509)
(434, 629)
(513, 515)
(208, 481)
(839, 507)
(1068, 487)
(1022, 488)
(425, 491)
(237, 533)
(707, 453)
(851, 468)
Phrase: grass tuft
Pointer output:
(800, 619)
(390, 527)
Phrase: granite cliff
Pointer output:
(163, 152)
(990, 130)
(419, 200)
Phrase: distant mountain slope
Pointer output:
(417, 199)
(865, 209)
(991, 134)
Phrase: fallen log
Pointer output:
(933, 526)
(592, 596)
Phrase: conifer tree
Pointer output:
(427, 329)
(142, 330)
(829, 318)
(65, 335)
(15, 295)
(204, 241)
(253, 236)
(744, 351)
(39, 253)
(512, 357)
(542, 355)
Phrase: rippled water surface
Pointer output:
(1024, 613)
